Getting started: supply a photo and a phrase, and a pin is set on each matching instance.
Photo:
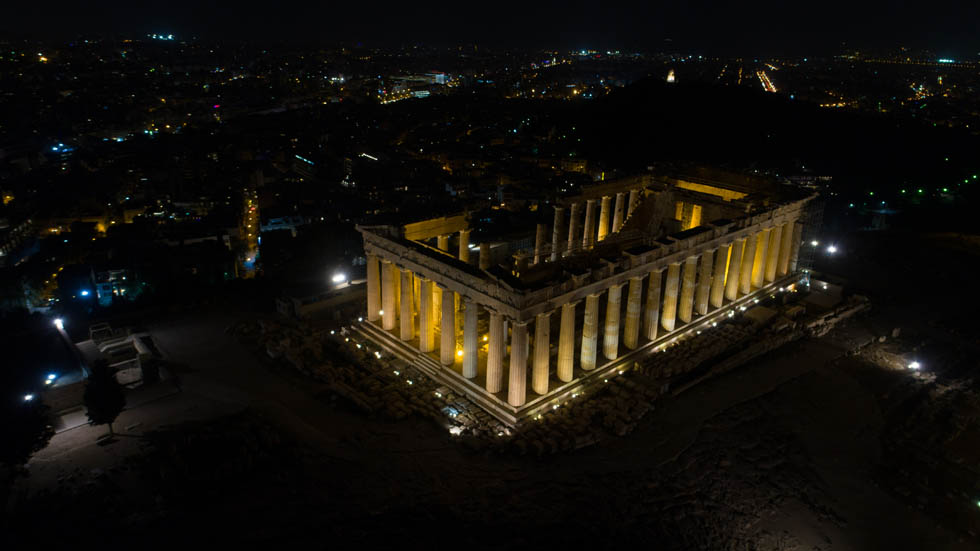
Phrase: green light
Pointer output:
(851, 205)
(974, 176)
(871, 193)
(945, 190)
(920, 190)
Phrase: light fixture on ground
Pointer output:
(59, 323)
(28, 397)
(832, 249)
(339, 277)
(915, 365)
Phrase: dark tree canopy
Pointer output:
(25, 428)
(104, 397)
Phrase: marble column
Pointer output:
(484, 256)
(556, 233)
(734, 269)
(542, 352)
(651, 315)
(785, 247)
(389, 281)
(589, 332)
(407, 321)
(634, 202)
(759, 266)
(604, 216)
(495, 354)
(748, 257)
(447, 339)
(573, 216)
(443, 242)
(631, 325)
(610, 341)
(539, 239)
(687, 289)
(718, 279)
(373, 289)
(464, 245)
(517, 382)
(619, 212)
(772, 258)
(426, 317)
(566, 342)
(704, 283)
(470, 356)
(794, 252)
(669, 316)
(588, 235)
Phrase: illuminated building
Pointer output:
(624, 269)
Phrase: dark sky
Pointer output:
(787, 26)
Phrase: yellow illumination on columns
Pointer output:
(495, 354)
(590, 332)
(704, 283)
(618, 212)
(539, 237)
(470, 318)
(542, 352)
(610, 341)
(407, 322)
(748, 257)
(785, 247)
(447, 340)
(573, 216)
(718, 280)
(389, 282)
(734, 269)
(759, 265)
(669, 317)
(464, 245)
(443, 242)
(651, 317)
(634, 201)
(794, 253)
(604, 217)
(588, 235)
(373, 288)
(631, 327)
(517, 382)
(772, 258)
(687, 289)
(556, 233)
(566, 342)
(426, 324)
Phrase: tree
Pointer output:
(25, 428)
(104, 396)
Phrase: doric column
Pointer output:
(631, 327)
(484, 256)
(443, 242)
(426, 317)
(785, 247)
(734, 269)
(407, 323)
(718, 279)
(373, 289)
(539, 236)
(566, 342)
(470, 357)
(495, 354)
(556, 234)
(687, 289)
(573, 216)
(669, 316)
(589, 332)
(517, 382)
(389, 281)
(542, 352)
(704, 283)
(447, 340)
(464, 245)
(772, 258)
(634, 201)
(794, 253)
(619, 212)
(604, 216)
(651, 316)
(416, 292)
(588, 235)
(759, 265)
(748, 257)
(610, 341)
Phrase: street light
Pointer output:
(339, 277)
(915, 365)
(832, 249)
(814, 243)
(28, 397)
(59, 323)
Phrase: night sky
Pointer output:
(771, 27)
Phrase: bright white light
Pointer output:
(51, 376)
(59, 323)
(84, 292)
(28, 397)
(360, 319)
(339, 278)
(915, 365)
(814, 243)
(832, 249)
(456, 431)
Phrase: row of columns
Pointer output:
(698, 284)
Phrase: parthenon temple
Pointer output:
(623, 269)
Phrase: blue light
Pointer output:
(84, 292)
(54, 148)
(51, 376)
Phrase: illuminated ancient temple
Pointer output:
(624, 269)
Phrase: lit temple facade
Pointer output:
(623, 270)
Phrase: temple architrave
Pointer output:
(624, 270)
